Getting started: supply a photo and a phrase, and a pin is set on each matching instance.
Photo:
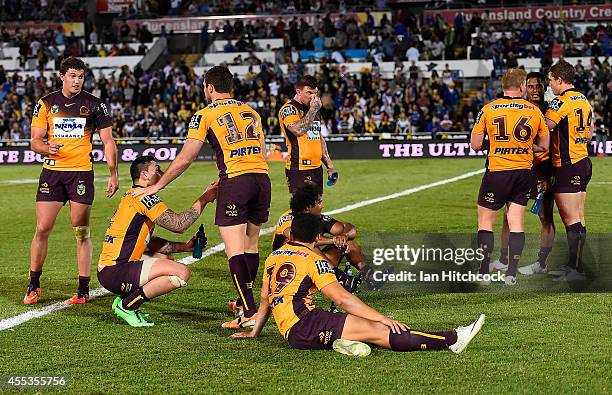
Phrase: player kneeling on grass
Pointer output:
(292, 276)
(123, 269)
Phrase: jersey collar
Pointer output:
(137, 186)
(511, 97)
(573, 88)
(297, 244)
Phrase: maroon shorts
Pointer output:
(122, 278)
(316, 330)
(573, 178)
(501, 187)
(298, 178)
(61, 186)
(243, 198)
(543, 173)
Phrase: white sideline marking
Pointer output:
(19, 319)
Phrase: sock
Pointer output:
(134, 300)
(35, 279)
(542, 255)
(413, 340)
(576, 233)
(503, 255)
(83, 284)
(515, 249)
(252, 264)
(486, 241)
(580, 264)
(242, 282)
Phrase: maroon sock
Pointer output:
(576, 233)
(515, 249)
(252, 263)
(242, 282)
(134, 300)
(486, 241)
(413, 340)
(84, 284)
(35, 279)
(543, 255)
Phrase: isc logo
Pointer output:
(581, 140)
(109, 239)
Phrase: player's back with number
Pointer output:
(234, 131)
(511, 123)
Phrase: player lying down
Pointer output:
(292, 276)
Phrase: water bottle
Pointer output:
(200, 242)
(537, 205)
(331, 181)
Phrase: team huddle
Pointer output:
(308, 246)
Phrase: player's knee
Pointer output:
(43, 231)
(81, 233)
(179, 281)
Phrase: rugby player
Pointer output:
(512, 124)
(570, 116)
(234, 131)
(63, 123)
(300, 122)
(542, 168)
(342, 242)
(292, 276)
(123, 267)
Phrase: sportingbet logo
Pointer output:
(245, 151)
(69, 128)
(510, 151)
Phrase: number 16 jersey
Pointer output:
(234, 131)
(512, 123)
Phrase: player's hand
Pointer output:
(242, 335)
(210, 193)
(190, 244)
(150, 190)
(315, 102)
(340, 241)
(112, 186)
(394, 325)
(330, 171)
(54, 148)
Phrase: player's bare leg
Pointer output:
(571, 209)
(79, 217)
(159, 276)
(486, 238)
(46, 214)
(516, 241)
(363, 330)
(235, 240)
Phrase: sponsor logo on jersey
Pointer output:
(225, 103)
(231, 210)
(519, 106)
(577, 97)
(194, 123)
(69, 128)
(104, 108)
(36, 109)
(287, 111)
(285, 218)
(581, 140)
(84, 110)
(150, 201)
(511, 151)
(244, 151)
(323, 267)
(555, 104)
(54, 109)
(290, 253)
(109, 239)
(480, 114)
(276, 301)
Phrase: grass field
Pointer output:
(532, 342)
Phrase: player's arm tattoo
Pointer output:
(163, 246)
(325, 157)
(178, 222)
(300, 127)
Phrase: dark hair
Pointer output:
(221, 78)
(72, 63)
(305, 228)
(306, 80)
(138, 166)
(304, 198)
(537, 75)
(563, 70)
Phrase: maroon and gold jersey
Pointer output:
(512, 123)
(294, 274)
(71, 122)
(131, 229)
(234, 131)
(306, 151)
(573, 114)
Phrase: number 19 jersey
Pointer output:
(512, 124)
(234, 131)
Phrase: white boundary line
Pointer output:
(19, 319)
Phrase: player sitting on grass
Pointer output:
(291, 278)
(123, 269)
(337, 240)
